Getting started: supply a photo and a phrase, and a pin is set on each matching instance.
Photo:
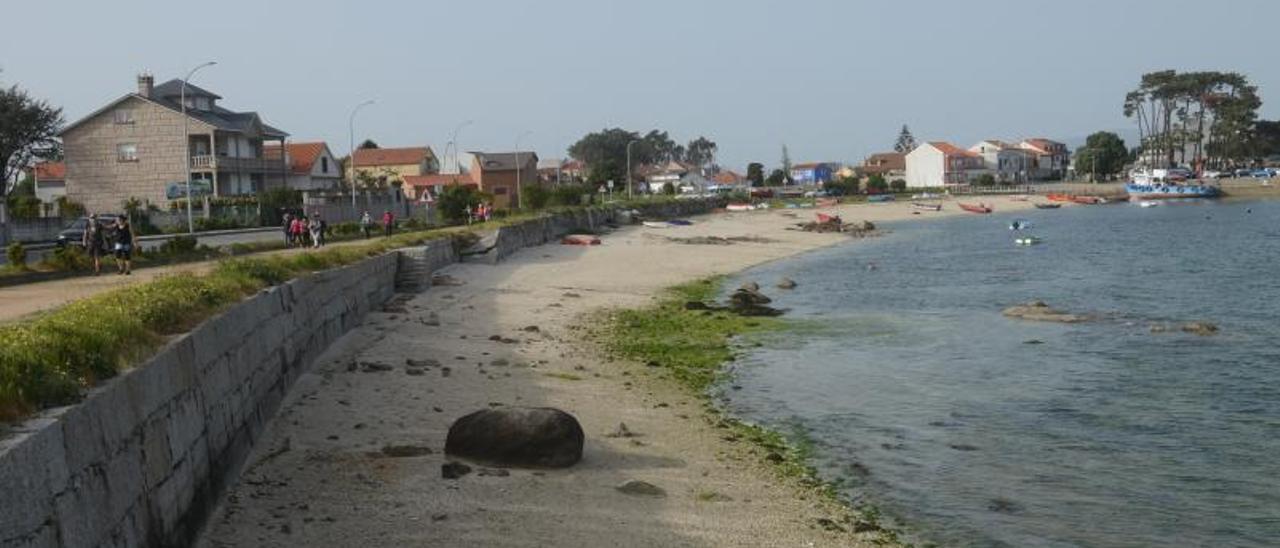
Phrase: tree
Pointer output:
(986, 179)
(876, 183)
(1211, 113)
(777, 178)
(1104, 154)
(755, 173)
(1266, 138)
(701, 152)
(846, 186)
(906, 142)
(786, 164)
(605, 153)
(28, 130)
(898, 185)
(22, 201)
(660, 147)
(367, 144)
(454, 201)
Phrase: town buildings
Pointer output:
(682, 177)
(50, 179)
(503, 174)
(890, 165)
(133, 148)
(938, 163)
(1051, 158)
(387, 166)
(813, 173)
(426, 188)
(1008, 163)
(310, 166)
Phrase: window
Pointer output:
(500, 191)
(127, 152)
(124, 116)
(324, 164)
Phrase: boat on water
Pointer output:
(1020, 224)
(1161, 184)
(1148, 203)
(1048, 206)
(927, 207)
(976, 208)
(1027, 240)
(880, 198)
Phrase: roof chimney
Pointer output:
(146, 82)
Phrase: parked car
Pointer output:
(1214, 175)
(1261, 174)
(1243, 173)
(73, 233)
(816, 194)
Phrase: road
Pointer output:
(36, 252)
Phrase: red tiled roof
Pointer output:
(51, 171)
(727, 178)
(392, 156)
(886, 161)
(435, 179)
(951, 150)
(302, 156)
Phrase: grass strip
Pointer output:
(691, 347)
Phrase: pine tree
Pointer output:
(786, 163)
(906, 142)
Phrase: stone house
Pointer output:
(132, 148)
(311, 166)
(495, 173)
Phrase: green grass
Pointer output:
(53, 358)
(692, 346)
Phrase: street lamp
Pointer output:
(629, 183)
(186, 142)
(519, 195)
(454, 140)
(351, 127)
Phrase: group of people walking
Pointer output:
(388, 223)
(110, 239)
(303, 231)
(481, 213)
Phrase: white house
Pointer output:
(685, 179)
(937, 164)
(1051, 158)
(1007, 163)
(311, 166)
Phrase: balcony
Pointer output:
(227, 163)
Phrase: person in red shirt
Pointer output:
(388, 222)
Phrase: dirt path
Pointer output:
(320, 476)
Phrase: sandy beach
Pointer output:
(320, 475)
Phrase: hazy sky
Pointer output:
(834, 80)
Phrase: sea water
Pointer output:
(973, 429)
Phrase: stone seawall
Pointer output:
(142, 460)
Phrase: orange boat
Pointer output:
(1087, 200)
(1059, 197)
(824, 218)
(980, 208)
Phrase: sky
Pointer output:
(832, 80)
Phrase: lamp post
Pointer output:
(454, 140)
(351, 128)
(629, 183)
(186, 142)
(519, 195)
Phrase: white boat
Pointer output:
(1148, 203)
(1027, 240)
(657, 224)
(1020, 224)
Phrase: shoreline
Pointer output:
(317, 476)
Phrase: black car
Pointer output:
(73, 234)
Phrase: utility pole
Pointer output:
(519, 194)
(454, 140)
(186, 143)
(630, 195)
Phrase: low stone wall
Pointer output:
(142, 459)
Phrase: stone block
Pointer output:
(185, 424)
(32, 470)
(84, 442)
(157, 457)
(151, 386)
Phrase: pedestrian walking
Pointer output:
(124, 246)
(298, 229)
(488, 211)
(95, 242)
(388, 222)
(287, 224)
(324, 230)
(470, 216)
(313, 227)
(366, 224)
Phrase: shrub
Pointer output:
(537, 197)
(898, 185)
(69, 209)
(454, 201)
(67, 258)
(571, 195)
(17, 255)
(178, 245)
(876, 183)
(986, 179)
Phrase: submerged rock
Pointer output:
(1038, 311)
(517, 436)
(787, 283)
(1204, 329)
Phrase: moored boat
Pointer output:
(1048, 206)
(1055, 197)
(825, 218)
(1154, 191)
(1088, 200)
(1148, 203)
(976, 208)
(1020, 224)
(1027, 240)
(739, 207)
(927, 207)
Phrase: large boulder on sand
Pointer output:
(537, 437)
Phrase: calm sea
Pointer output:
(972, 429)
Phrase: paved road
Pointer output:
(36, 252)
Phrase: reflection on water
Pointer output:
(979, 430)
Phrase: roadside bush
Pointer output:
(739, 196)
(985, 179)
(898, 185)
(17, 255)
(67, 258)
(178, 245)
(537, 197)
(876, 183)
(216, 223)
(571, 195)
(344, 229)
(454, 201)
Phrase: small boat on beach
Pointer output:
(656, 224)
(1088, 200)
(739, 207)
(976, 208)
(1057, 197)
(880, 198)
(926, 207)
(1162, 183)
(1019, 198)
(1048, 206)
(824, 218)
